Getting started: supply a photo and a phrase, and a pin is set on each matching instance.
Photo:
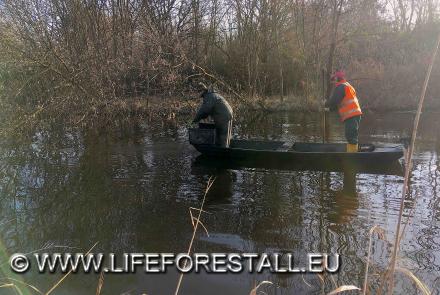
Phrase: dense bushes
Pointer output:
(73, 57)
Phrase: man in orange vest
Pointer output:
(345, 101)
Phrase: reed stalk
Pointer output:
(67, 274)
(100, 284)
(408, 166)
(381, 235)
(255, 289)
(195, 226)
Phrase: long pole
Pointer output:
(324, 123)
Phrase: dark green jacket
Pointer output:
(216, 106)
(337, 97)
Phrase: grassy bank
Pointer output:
(155, 110)
(175, 108)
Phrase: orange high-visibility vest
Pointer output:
(349, 106)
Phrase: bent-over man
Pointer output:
(215, 106)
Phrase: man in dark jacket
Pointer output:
(344, 99)
(217, 107)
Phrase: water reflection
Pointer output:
(346, 200)
(130, 189)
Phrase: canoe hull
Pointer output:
(271, 154)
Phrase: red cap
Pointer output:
(338, 74)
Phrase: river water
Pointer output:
(130, 189)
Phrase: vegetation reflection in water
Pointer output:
(131, 189)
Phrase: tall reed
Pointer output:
(408, 166)
(195, 226)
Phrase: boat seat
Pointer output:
(318, 147)
(328, 147)
(256, 144)
(367, 147)
(287, 146)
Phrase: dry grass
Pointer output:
(67, 274)
(385, 274)
(194, 219)
(288, 103)
(17, 288)
(195, 226)
(255, 289)
(15, 283)
(100, 284)
(343, 289)
(381, 235)
(422, 287)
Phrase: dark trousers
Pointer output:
(352, 129)
(223, 133)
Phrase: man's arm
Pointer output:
(204, 110)
(335, 100)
